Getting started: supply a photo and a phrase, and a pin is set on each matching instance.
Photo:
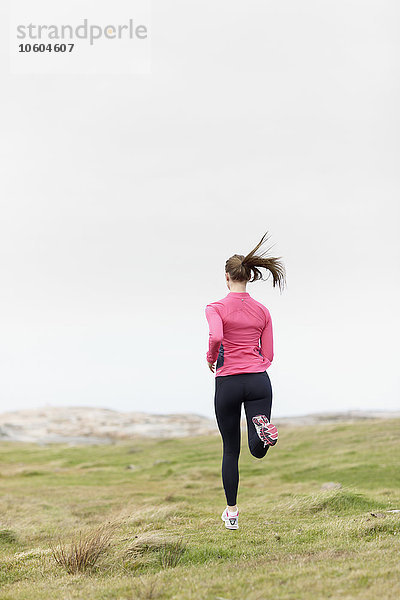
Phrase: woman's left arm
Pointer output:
(216, 333)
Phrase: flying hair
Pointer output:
(242, 268)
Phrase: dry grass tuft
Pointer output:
(171, 553)
(84, 550)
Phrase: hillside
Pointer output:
(319, 517)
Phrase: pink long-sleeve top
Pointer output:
(240, 335)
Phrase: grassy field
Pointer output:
(166, 537)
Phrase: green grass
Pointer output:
(295, 541)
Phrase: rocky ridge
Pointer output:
(94, 425)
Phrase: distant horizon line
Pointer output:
(276, 416)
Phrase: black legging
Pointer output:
(255, 391)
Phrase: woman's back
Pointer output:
(240, 338)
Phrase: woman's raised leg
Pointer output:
(258, 394)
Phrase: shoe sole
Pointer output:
(268, 432)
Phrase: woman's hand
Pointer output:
(211, 366)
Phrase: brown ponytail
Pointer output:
(241, 267)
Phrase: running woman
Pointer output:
(241, 343)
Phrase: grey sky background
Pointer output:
(123, 196)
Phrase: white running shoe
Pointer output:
(231, 521)
(267, 432)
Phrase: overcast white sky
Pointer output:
(123, 196)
